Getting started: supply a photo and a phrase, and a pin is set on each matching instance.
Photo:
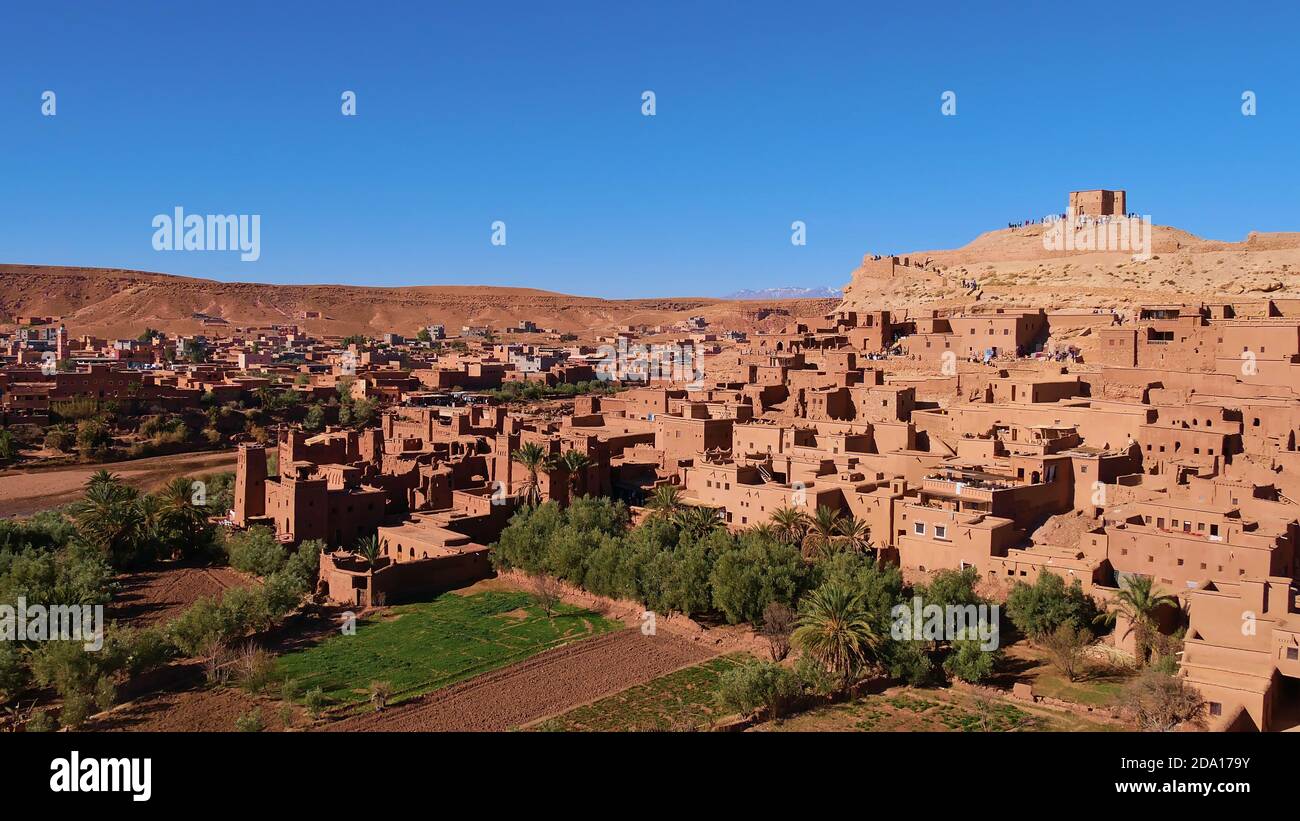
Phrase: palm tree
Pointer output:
(791, 523)
(153, 524)
(855, 535)
(102, 477)
(766, 531)
(368, 549)
(533, 459)
(834, 628)
(184, 518)
(698, 521)
(822, 529)
(666, 500)
(109, 518)
(575, 463)
(8, 447)
(1138, 600)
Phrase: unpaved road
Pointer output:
(24, 492)
(544, 685)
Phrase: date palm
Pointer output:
(854, 535)
(766, 531)
(1139, 600)
(184, 520)
(109, 518)
(791, 523)
(820, 539)
(532, 457)
(368, 548)
(575, 463)
(102, 477)
(666, 500)
(697, 521)
(153, 531)
(835, 629)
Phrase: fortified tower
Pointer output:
(250, 484)
(1096, 203)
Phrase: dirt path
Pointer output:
(24, 492)
(544, 685)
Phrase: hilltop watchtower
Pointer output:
(1096, 203)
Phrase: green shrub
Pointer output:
(910, 662)
(75, 711)
(75, 410)
(8, 446)
(970, 662)
(256, 551)
(42, 721)
(250, 722)
(816, 679)
(13, 672)
(93, 437)
(754, 573)
(255, 669)
(59, 438)
(751, 687)
(314, 701)
(1039, 609)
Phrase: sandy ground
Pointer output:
(157, 595)
(545, 685)
(24, 492)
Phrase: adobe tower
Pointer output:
(250, 483)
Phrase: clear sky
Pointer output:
(530, 113)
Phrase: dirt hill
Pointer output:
(116, 302)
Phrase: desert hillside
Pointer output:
(115, 302)
(1012, 266)
(1009, 266)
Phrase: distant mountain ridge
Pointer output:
(787, 293)
(122, 303)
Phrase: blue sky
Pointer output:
(530, 113)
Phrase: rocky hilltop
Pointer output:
(1013, 266)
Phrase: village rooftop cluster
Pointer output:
(961, 439)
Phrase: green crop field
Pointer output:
(418, 648)
(678, 701)
(907, 709)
